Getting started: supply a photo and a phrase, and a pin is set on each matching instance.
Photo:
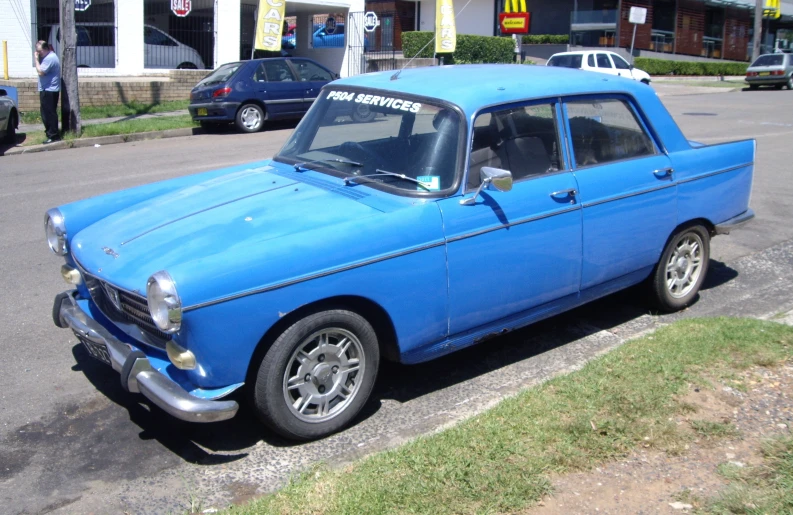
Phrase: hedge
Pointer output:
(470, 48)
(546, 39)
(664, 67)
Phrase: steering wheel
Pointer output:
(360, 153)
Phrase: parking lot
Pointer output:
(72, 440)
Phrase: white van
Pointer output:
(96, 48)
(601, 61)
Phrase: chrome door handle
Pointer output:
(562, 194)
(664, 173)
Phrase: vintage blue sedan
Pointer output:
(480, 199)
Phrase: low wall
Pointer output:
(98, 91)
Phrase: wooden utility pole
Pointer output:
(70, 96)
(758, 29)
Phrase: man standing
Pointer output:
(49, 69)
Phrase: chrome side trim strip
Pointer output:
(628, 195)
(512, 224)
(717, 172)
(318, 275)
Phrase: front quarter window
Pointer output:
(373, 138)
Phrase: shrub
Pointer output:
(546, 39)
(664, 67)
(470, 48)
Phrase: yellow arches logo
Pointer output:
(519, 6)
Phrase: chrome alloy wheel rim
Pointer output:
(324, 374)
(251, 118)
(684, 266)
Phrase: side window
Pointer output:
(522, 140)
(278, 71)
(310, 71)
(606, 130)
(590, 60)
(152, 36)
(603, 61)
(619, 62)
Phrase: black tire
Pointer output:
(778, 86)
(753, 86)
(11, 130)
(244, 120)
(790, 82)
(668, 269)
(645, 81)
(363, 113)
(187, 66)
(275, 399)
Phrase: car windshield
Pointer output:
(222, 74)
(385, 140)
(566, 61)
(769, 60)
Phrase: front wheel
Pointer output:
(250, 118)
(682, 268)
(317, 375)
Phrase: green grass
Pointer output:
(500, 461)
(111, 111)
(767, 488)
(117, 128)
(712, 430)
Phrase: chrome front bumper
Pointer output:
(137, 374)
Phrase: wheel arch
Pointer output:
(373, 312)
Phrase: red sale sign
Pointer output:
(181, 8)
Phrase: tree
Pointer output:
(70, 96)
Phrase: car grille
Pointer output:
(132, 308)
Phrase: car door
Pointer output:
(621, 66)
(312, 76)
(512, 251)
(626, 187)
(604, 64)
(278, 88)
(160, 50)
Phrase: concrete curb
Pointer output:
(106, 140)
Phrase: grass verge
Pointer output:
(117, 128)
(111, 111)
(500, 461)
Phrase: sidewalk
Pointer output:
(25, 127)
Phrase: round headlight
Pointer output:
(55, 229)
(165, 305)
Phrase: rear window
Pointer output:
(222, 74)
(769, 60)
(566, 61)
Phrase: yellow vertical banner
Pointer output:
(270, 25)
(445, 28)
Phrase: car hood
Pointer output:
(227, 213)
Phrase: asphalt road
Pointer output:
(72, 441)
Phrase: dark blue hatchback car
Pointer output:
(250, 92)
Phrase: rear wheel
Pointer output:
(317, 375)
(11, 130)
(682, 268)
(187, 66)
(363, 113)
(250, 118)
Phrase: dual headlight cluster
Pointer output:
(165, 305)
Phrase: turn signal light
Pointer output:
(181, 358)
(71, 275)
(222, 92)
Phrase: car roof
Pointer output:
(580, 52)
(474, 86)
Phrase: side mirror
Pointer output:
(492, 179)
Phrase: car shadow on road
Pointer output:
(222, 442)
(5, 147)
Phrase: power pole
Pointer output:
(70, 96)
(758, 29)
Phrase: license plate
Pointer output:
(96, 350)
(201, 111)
(764, 73)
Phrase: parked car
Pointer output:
(250, 92)
(96, 48)
(599, 61)
(289, 39)
(771, 70)
(325, 39)
(482, 199)
(9, 118)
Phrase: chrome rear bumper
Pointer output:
(137, 375)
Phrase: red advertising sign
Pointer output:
(181, 8)
(514, 23)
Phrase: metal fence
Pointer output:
(381, 45)
(95, 26)
(182, 40)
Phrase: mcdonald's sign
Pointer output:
(515, 19)
(772, 9)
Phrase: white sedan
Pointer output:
(599, 61)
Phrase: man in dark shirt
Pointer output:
(49, 69)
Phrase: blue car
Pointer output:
(249, 92)
(481, 199)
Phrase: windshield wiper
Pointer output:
(299, 167)
(348, 180)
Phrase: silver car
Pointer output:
(9, 118)
(771, 70)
